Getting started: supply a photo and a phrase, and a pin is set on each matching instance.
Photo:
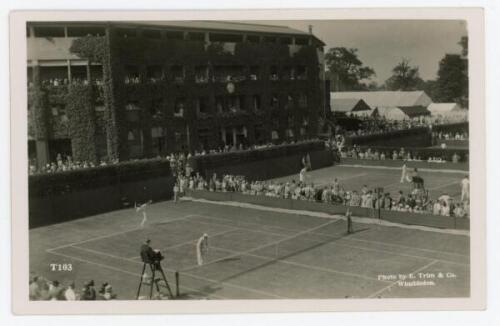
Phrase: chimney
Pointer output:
(310, 29)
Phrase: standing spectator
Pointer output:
(465, 188)
(176, 192)
(88, 291)
(55, 291)
(70, 294)
(34, 289)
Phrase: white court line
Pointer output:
(396, 282)
(127, 272)
(167, 269)
(399, 168)
(272, 243)
(193, 241)
(246, 223)
(115, 233)
(353, 176)
(315, 267)
(368, 241)
(350, 238)
(364, 220)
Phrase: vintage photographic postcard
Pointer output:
(247, 161)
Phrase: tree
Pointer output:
(453, 80)
(346, 70)
(404, 77)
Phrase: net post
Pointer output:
(177, 289)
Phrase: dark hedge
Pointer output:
(71, 181)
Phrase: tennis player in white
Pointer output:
(202, 249)
(142, 208)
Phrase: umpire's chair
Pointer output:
(154, 264)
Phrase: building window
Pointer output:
(204, 136)
(178, 73)
(156, 108)
(30, 76)
(288, 73)
(81, 31)
(301, 72)
(274, 102)
(126, 32)
(158, 140)
(201, 74)
(179, 107)
(96, 74)
(152, 33)
(49, 31)
(254, 72)
(301, 41)
(233, 103)
(236, 73)
(289, 101)
(132, 75)
(174, 35)
(259, 133)
(302, 100)
(253, 38)
(134, 140)
(270, 39)
(230, 38)
(53, 76)
(201, 106)
(79, 74)
(193, 36)
(154, 73)
(285, 40)
(256, 103)
(273, 73)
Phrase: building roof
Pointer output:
(211, 25)
(347, 104)
(443, 107)
(414, 111)
(225, 26)
(387, 98)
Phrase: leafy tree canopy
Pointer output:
(346, 70)
(404, 77)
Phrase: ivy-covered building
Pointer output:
(130, 90)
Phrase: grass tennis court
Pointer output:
(259, 254)
(353, 178)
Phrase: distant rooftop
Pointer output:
(387, 98)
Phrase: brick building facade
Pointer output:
(132, 90)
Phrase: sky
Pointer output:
(382, 44)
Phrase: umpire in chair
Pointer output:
(152, 258)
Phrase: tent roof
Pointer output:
(442, 107)
(347, 104)
(414, 111)
(387, 98)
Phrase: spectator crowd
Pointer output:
(417, 201)
(41, 289)
(401, 154)
(178, 161)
